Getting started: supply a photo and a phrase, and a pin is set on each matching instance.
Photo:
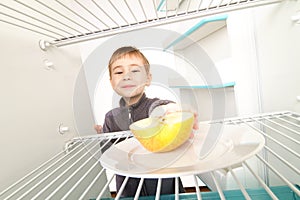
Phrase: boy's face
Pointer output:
(129, 76)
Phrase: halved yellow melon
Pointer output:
(161, 134)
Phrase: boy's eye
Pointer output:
(118, 72)
(136, 70)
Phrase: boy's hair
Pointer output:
(128, 51)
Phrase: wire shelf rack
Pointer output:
(63, 23)
(76, 172)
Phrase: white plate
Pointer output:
(237, 143)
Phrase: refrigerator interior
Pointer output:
(53, 55)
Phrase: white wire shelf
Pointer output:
(63, 23)
(76, 172)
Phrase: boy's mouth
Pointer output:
(128, 86)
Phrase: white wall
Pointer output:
(278, 46)
(34, 101)
(265, 45)
(244, 59)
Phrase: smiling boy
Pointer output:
(130, 73)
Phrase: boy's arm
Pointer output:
(162, 110)
(158, 105)
(105, 128)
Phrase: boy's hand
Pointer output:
(98, 128)
(196, 125)
(173, 107)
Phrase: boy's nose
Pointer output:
(127, 76)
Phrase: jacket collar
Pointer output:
(122, 102)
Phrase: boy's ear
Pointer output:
(149, 79)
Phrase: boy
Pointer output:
(129, 72)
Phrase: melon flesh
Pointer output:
(162, 134)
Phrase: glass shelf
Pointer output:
(197, 26)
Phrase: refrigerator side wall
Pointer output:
(35, 100)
